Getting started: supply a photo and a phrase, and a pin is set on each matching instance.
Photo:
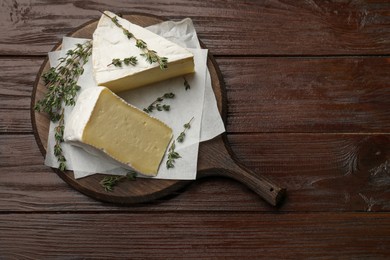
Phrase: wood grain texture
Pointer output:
(264, 94)
(144, 189)
(31, 189)
(16, 81)
(242, 27)
(322, 168)
(321, 172)
(318, 124)
(349, 95)
(196, 236)
(15, 121)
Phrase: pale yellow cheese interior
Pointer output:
(151, 75)
(127, 134)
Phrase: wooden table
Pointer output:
(308, 106)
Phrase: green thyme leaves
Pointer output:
(158, 105)
(59, 138)
(114, 20)
(109, 182)
(182, 135)
(151, 56)
(172, 156)
(186, 84)
(61, 83)
(140, 43)
(126, 61)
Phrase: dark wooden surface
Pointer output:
(221, 164)
(308, 105)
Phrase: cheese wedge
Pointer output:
(109, 42)
(103, 121)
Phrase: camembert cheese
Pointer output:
(103, 121)
(109, 42)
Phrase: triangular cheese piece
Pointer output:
(102, 123)
(110, 42)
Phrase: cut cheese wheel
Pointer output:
(109, 42)
(109, 125)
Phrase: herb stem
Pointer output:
(58, 136)
(186, 84)
(182, 135)
(157, 103)
(150, 55)
(61, 83)
(109, 182)
(127, 61)
(172, 156)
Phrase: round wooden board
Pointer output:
(127, 192)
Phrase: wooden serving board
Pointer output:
(215, 156)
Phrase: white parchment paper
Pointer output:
(187, 104)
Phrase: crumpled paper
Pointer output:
(198, 102)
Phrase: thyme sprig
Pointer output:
(182, 135)
(187, 85)
(59, 138)
(151, 56)
(157, 105)
(61, 82)
(109, 182)
(126, 61)
(172, 156)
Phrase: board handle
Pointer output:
(219, 162)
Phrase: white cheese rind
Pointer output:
(81, 113)
(110, 42)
